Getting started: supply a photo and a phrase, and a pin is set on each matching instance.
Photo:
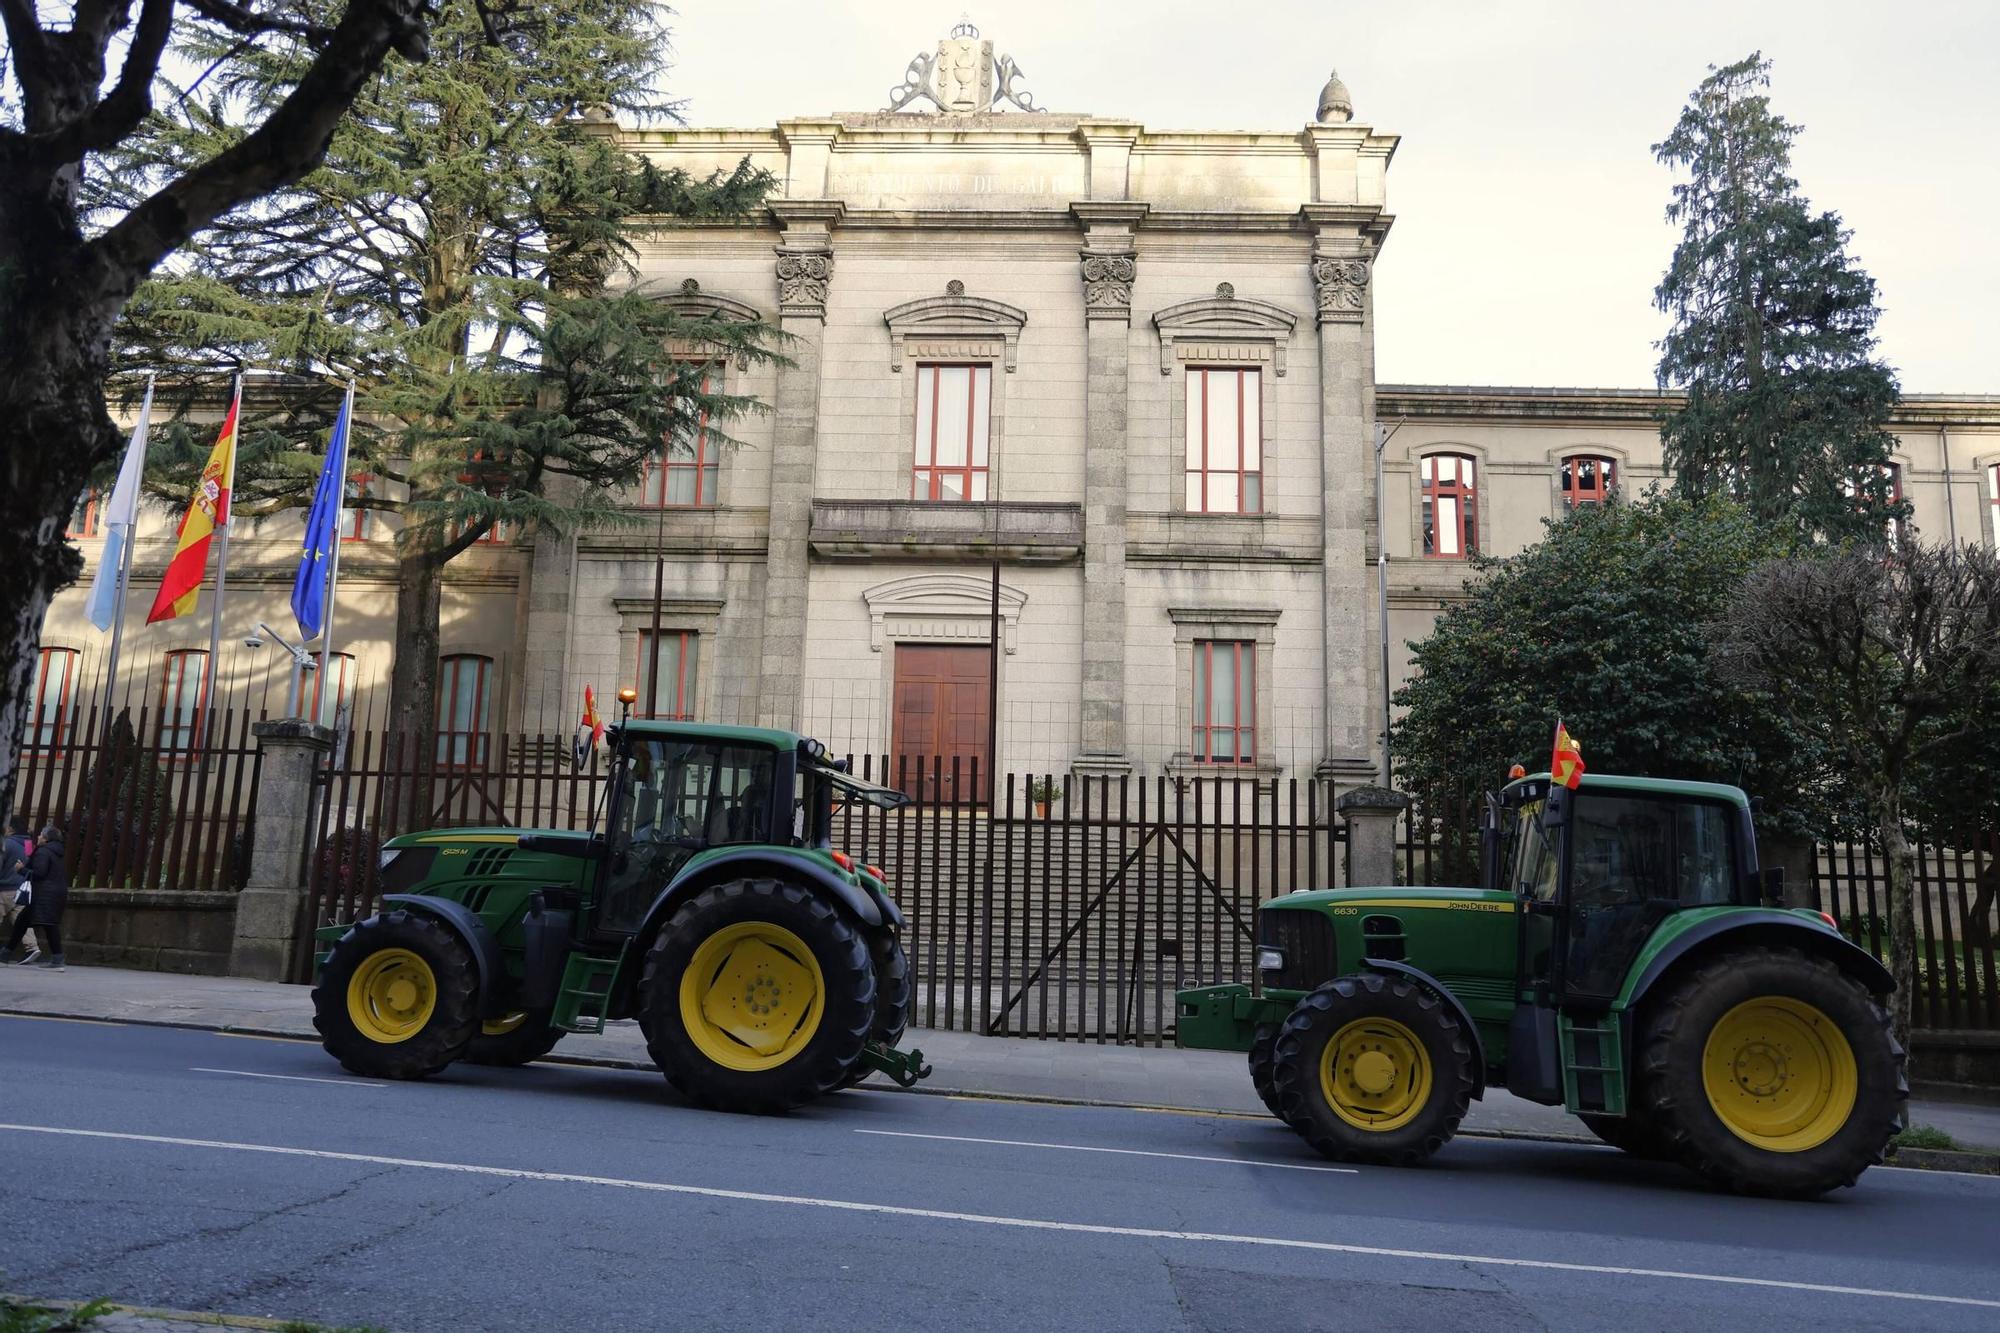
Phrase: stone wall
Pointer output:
(150, 929)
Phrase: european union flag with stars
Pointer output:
(309, 588)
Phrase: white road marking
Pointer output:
(1123, 1152)
(289, 1078)
(1021, 1223)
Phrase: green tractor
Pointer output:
(1625, 958)
(764, 967)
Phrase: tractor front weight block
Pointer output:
(1224, 1018)
(907, 1068)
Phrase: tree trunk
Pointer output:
(1900, 859)
(413, 676)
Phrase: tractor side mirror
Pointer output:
(1489, 844)
(1556, 812)
(1772, 883)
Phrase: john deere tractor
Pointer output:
(764, 967)
(1624, 958)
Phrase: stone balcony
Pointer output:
(1015, 531)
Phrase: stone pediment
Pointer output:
(1225, 318)
(954, 316)
(690, 302)
(941, 606)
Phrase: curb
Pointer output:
(116, 1315)
(1939, 1159)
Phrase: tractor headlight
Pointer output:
(388, 858)
(1270, 960)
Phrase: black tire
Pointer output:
(846, 1003)
(1411, 1136)
(1263, 1074)
(1678, 1101)
(526, 1041)
(454, 1012)
(894, 997)
(1631, 1132)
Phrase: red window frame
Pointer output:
(1462, 488)
(463, 747)
(83, 520)
(1594, 489)
(356, 529)
(927, 475)
(705, 466)
(497, 533)
(1248, 478)
(1241, 731)
(176, 737)
(687, 669)
(46, 732)
(341, 667)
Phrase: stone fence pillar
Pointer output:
(271, 908)
(1371, 814)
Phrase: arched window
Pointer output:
(84, 519)
(355, 528)
(685, 474)
(1587, 479)
(464, 704)
(183, 695)
(1451, 506)
(48, 707)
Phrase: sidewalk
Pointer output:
(964, 1063)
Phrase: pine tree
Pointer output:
(466, 257)
(1773, 328)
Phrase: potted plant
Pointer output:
(1042, 791)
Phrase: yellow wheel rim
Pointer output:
(501, 1026)
(1779, 1074)
(1375, 1074)
(751, 998)
(391, 996)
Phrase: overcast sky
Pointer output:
(1529, 231)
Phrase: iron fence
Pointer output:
(1956, 986)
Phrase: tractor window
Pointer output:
(677, 797)
(1531, 860)
(1707, 865)
(1635, 860)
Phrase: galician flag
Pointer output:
(208, 511)
(590, 730)
(309, 587)
(1566, 764)
(120, 514)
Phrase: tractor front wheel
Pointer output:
(517, 1038)
(1771, 1072)
(757, 996)
(398, 997)
(1263, 1071)
(1371, 1068)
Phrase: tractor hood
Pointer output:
(1339, 901)
(496, 836)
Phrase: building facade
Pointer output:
(1131, 371)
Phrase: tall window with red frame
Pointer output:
(688, 469)
(464, 703)
(48, 708)
(355, 520)
(84, 520)
(183, 694)
(669, 673)
(1225, 701)
(332, 687)
(1587, 479)
(483, 473)
(1451, 506)
(954, 424)
(1225, 441)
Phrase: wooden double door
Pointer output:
(942, 707)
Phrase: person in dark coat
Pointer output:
(48, 879)
(15, 849)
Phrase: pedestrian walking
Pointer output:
(15, 849)
(48, 887)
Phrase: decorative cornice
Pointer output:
(692, 303)
(1225, 316)
(954, 315)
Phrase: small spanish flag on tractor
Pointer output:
(1566, 764)
(207, 511)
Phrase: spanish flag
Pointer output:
(208, 511)
(1566, 764)
(590, 730)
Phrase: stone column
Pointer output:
(1341, 259)
(270, 911)
(805, 273)
(1109, 267)
(1370, 813)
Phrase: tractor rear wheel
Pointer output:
(517, 1038)
(398, 997)
(893, 996)
(1771, 1072)
(757, 996)
(1371, 1068)
(1263, 1073)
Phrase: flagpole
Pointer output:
(222, 552)
(333, 562)
(124, 575)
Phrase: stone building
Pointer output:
(1135, 368)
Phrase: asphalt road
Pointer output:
(252, 1176)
